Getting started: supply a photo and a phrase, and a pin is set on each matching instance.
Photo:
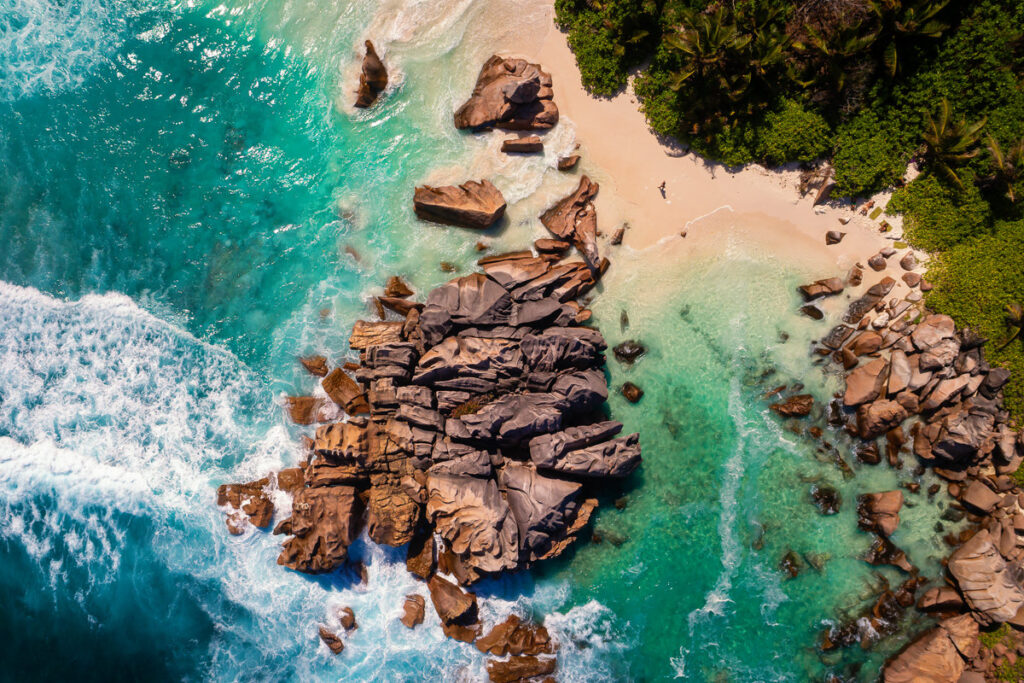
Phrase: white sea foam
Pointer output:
(49, 45)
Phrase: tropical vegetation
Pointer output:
(869, 86)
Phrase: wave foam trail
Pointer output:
(51, 45)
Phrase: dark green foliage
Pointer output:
(874, 83)
(794, 133)
(937, 215)
(975, 282)
(869, 155)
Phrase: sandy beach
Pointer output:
(703, 199)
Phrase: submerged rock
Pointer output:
(799, 405)
(628, 351)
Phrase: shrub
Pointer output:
(793, 133)
(938, 216)
(974, 283)
(870, 155)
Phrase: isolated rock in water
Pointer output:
(315, 365)
(331, 640)
(510, 94)
(834, 237)
(884, 551)
(347, 618)
(397, 287)
(513, 637)
(879, 512)
(938, 655)
(525, 145)
(568, 163)
(574, 218)
(250, 501)
(372, 80)
(629, 350)
(819, 288)
(990, 585)
(413, 610)
(324, 521)
(794, 406)
(812, 311)
(517, 669)
(472, 204)
(632, 392)
(827, 499)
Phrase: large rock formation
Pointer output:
(469, 205)
(574, 218)
(991, 586)
(372, 80)
(510, 94)
(936, 656)
(324, 523)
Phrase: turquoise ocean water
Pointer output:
(187, 203)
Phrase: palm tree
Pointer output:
(1015, 320)
(948, 144)
(706, 42)
(1007, 166)
(902, 22)
(832, 57)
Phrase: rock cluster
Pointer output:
(573, 218)
(925, 386)
(476, 417)
(510, 94)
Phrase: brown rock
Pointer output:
(877, 262)
(392, 516)
(574, 218)
(568, 163)
(315, 365)
(347, 618)
(834, 237)
(512, 637)
(935, 656)
(324, 522)
(372, 80)
(818, 288)
(865, 383)
(912, 279)
(632, 392)
(519, 669)
(250, 502)
(795, 406)
(399, 305)
(476, 205)
(331, 640)
(421, 555)
(366, 334)
(941, 599)
(879, 512)
(413, 610)
(510, 94)
(456, 608)
(530, 144)
(865, 343)
(980, 498)
(877, 418)
(344, 391)
(908, 262)
(397, 287)
(307, 410)
(988, 583)
(550, 246)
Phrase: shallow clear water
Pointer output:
(187, 203)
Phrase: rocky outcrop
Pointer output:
(324, 522)
(574, 218)
(473, 204)
(799, 405)
(248, 502)
(936, 656)
(819, 288)
(513, 637)
(991, 586)
(510, 94)
(373, 79)
(456, 608)
(517, 669)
